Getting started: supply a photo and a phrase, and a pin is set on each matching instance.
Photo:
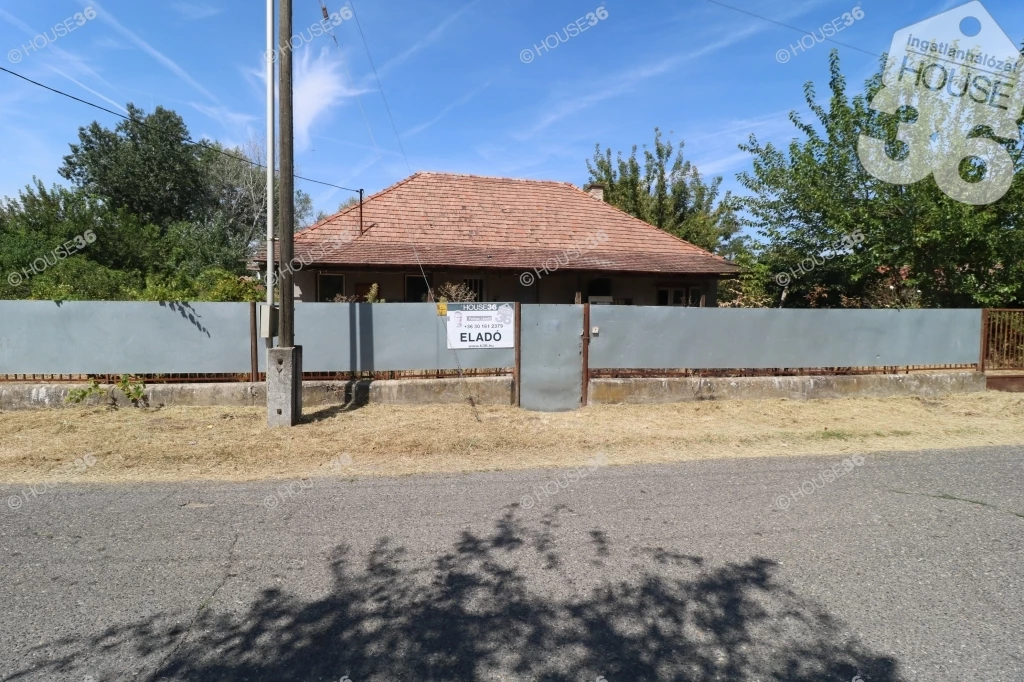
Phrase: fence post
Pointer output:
(984, 340)
(586, 353)
(517, 372)
(254, 373)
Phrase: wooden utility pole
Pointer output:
(284, 363)
(286, 195)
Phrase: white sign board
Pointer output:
(481, 325)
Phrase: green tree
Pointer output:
(146, 165)
(669, 192)
(808, 199)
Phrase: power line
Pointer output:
(387, 107)
(792, 28)
(412, 242)
(187, 141)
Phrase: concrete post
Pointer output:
(284, 386)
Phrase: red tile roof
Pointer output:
(449, 220)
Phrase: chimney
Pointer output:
(595, 190)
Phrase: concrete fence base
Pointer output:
(654, 391)
(483, 390)
(498, 390)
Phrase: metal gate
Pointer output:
(1003, 345)
(551, 357)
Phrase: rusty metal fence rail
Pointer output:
(209, 378)
(1003, 343)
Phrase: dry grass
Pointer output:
(234, 443)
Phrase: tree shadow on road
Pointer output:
(473, 614)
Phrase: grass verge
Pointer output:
(234, 444)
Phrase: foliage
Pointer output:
(454, 292)
(213, 285)
(133, 388)
(370, 297)
(805, 199)
(145, 166)
(172, 220)
(668, 192)
(752, 288)
(80, 395)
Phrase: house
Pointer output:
(508, 240)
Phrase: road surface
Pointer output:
(891, 567)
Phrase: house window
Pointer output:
(476, 286)
(417, 289)
(599, 287)
(329, 286)
(681, 296)
(363, 289)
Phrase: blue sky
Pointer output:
(453, 71)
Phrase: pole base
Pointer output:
(284, 386)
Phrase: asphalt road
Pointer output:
(904, 567)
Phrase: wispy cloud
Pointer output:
(231, 120)
(717, 150)
(319, 87)
(426, 40)
(70, 62)
(195, 11)
(629, 80)
(166, 61)
(620, 83)
(354, 145)
(416, 130)
(89, 90)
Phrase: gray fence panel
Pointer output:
(551, 357)
(722, 338)
(114, 337)
(347, 337)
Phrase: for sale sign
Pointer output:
(481, 325)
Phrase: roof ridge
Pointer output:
(365, 200)
(494, 177)
(655, 227)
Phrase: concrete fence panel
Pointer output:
(343, 337)
(115, 337)
(633, 337)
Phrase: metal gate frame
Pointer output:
(553, 383)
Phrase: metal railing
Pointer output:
(1003, 340)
